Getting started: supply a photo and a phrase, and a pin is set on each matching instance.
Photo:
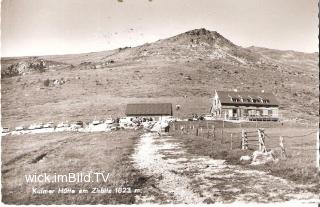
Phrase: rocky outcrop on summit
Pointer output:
(199, 44)
(23, 66)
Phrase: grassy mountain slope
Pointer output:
(184, 69)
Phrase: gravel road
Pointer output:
(185, 178)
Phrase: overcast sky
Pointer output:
(39, 27)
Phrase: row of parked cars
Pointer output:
(77, 124)
(123, 122)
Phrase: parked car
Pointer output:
(32, 126)
(124, 120)
(61, 125)
(201, 118)
(95, 122)
(48, 125)
(127, 122)
(5, 130)
(115, 128)
(79, 123)
(208, 117)
(38, 126)
(109, 121)
(195, 117)
(19, 128)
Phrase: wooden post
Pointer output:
(283, 151)
(244, 140)
(262, 147)
(318, 151)
(213, 133)
(260, 141)
(231, 142)
(222, 131)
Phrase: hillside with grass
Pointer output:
(184, 69)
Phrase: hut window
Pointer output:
(235, 100)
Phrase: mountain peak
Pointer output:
(201, 31)
(202, 37)
(204, 32)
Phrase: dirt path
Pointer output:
(185, 178)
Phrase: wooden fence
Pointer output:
(253, 138)
(243, 140)
(238, 137)
(253, 124)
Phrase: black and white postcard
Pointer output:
(160, 102)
